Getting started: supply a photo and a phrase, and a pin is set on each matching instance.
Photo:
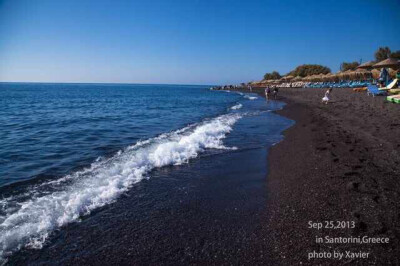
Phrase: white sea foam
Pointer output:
(237, 106)
(250, 97)
(29, 222)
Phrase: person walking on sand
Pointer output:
(275, 92)
(384, 77)
(267, 92)
(325, 100)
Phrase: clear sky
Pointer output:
(186, 42)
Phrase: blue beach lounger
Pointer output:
(374, 90)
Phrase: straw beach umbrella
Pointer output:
(337, 76)
(334, 77)
(346, 74)
(362, 73)
(392, 73)
(316, 78)
(352, 75)
(309, 78)
(375, 73)
(320, 77)
(327, 77)
(288, 77)
(390, 62)
(367, 65)
(342, 75)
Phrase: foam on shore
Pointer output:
(250, 97)
(27, 219)
(237, 106)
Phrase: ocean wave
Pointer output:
(27, 221)
(237, 106)
(250, 97)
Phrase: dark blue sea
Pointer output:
(142, 173)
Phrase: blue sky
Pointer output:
(186, 42)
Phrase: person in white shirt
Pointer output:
(325, 100)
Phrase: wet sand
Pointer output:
(339, 162)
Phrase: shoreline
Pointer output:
(338, 162)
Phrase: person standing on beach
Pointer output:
(276, 92)
(326, 97)
(383, 77)
(267, 92)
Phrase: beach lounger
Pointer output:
(390, 98)
(390, 86)
(374, 90)
(394, 91)
(360, 89)
(393, 98)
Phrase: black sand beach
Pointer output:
(340, 162)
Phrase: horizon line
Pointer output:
(118, 83)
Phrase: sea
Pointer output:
(130, 172)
